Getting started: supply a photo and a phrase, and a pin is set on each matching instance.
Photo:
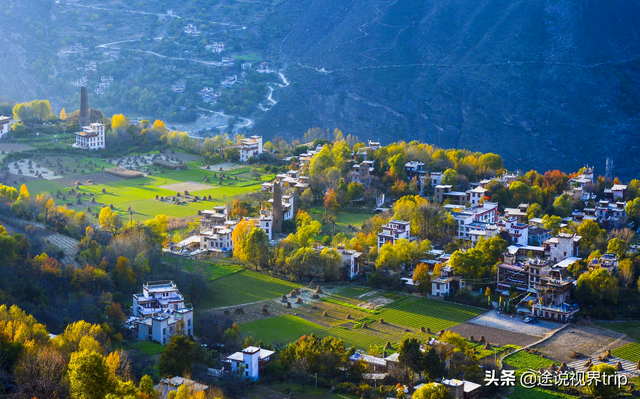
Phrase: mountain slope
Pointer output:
(550, 84)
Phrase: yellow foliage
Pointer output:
(159, 126)
(119, 121)
(238, 236)
(63, 115)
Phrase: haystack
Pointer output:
(300, 301)
(239, 311)
(423, 330)
(348, 317)
(619, 367)
(288, 305)
(104, 191)
(563, 367)
(587, 363)
(487, 346)
(315, 296)
(472, 339)
(226, 313)
(481, 340)
(292, 294)
(318, 290)
(284, 299)
(381, 321)
(325, 314)
(265, 311)
(388, 345)
(364, 324)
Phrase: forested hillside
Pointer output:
(537, 82)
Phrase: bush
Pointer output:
(346, 387)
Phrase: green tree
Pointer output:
(450, 177)
(469, 265)
(256, 248)
(89, 376)
(590, 231)
(562, 206)
(330, 261)
(603, 391)
(492, 248)
(432, 391)
(146, 389)
(534, 211)
(617, 246)
(597, 287)
(626, 272)
(179, 356)
(633, 210)
(396, 166)
(490, 161)
(410, 355)
(552, 223)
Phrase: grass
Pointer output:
(352, 292)
(279, 330)
(630, 352)
(520, 392)
(40, 186)
(495, 350)
(428, 313)
(147, 347)
(631, 328)
(343, 220)
(212, 270)
(245, 287)
(525, 361)
(336, 314)
(348, 305)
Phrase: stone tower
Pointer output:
(84, 107)
(277, 208)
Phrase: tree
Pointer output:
(119, 122)
(39, 374)
(590, 231)
(534, 210)
(331, 200)
(330, 261)
(89, 376)
(239, 237)
(602, 391)
(492, 248)
(552, 223)
(633, 210)
(146, 389)
(626, 272)
(410, 355)
(432, 391)
(450, 177)
(617, 246)
(396, 166)
(421, 278)
(490, 161)
(178, 357)
(562, 206)
(109, 220)
(469, 265)
(306, 198)
(24, 193)
(63, 115)
(597, 287)
(256, 248)
(158, 226)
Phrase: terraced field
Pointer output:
(428, 313)
(525, 361)
(630, 352)
(245, 287)
(279, 330)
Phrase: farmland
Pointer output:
(245, 287)
(279, 330)
(631, 328)
(211, 270)
(525, 361)
(143, 194)
(346, 222)
(630, 352)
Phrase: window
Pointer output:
(164, 331)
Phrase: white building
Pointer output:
(159, 313)
(393, 231)
(562, 246)
(91, 137)
(251, 147)
(518, 232)
(476, 217)
(252, 359)
(5, 125)
(217, 239)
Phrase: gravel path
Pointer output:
(515, 324)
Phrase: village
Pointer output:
(500, 282)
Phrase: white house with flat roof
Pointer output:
(5, 125)
(252, 358)
(91, 137)
(250, 147)
(393, 231)
(159, 313)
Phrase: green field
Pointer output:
(140, 193)
(245, 287)
(525, 361)
(147, 347)
(279, 330)
(631, 328)
(520, 392)
(362, 338)
(428, 313)
(212, 270)
(630, 352)
(343, 220)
